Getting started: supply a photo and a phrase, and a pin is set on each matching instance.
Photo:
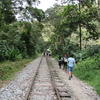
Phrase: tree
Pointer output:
(98, 8)
(7, 11)
(70, 17)
(36, 13)
(28, 12)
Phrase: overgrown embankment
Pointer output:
(88, 70)
(88, 66)
(8, 69)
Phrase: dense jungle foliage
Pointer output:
(70, 28)
(76, 31)
(20, 38)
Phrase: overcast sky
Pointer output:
(46, 4)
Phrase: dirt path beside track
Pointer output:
(80, 89)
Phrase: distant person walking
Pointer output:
(71, 64)
(47, 53)
(65, 62)
(44, 53)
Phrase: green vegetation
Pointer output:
(63, 29)
(88, 66)
(9, 69)
(20, 38)
(88, 70)
(76, 31)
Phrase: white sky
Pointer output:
(46, 4)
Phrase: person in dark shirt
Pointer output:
(60, 61)
(65, 62)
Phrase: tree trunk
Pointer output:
(80, 34)
(98, 7)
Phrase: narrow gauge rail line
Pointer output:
(41, 87)
(28, 92)
(60, 88)
(46, 84)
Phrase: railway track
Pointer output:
(41, 79)
(46, 84)
(37, 81)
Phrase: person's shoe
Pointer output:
(69, 77)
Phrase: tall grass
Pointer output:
(8, 69)
(88, 70)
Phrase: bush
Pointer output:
(88, 70)
(90, 51)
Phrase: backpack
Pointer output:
(65, 59)
(61, 60)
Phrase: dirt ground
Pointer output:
(80, 89)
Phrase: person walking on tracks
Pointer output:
(71, 64)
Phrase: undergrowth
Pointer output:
(88, 70)
(8, 69)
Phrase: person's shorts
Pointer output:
(70, 69)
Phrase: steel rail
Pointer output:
(53, 81)
(29, 90)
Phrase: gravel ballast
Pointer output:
(17, 88)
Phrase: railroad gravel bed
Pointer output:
(17, 88)
(42, 88)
